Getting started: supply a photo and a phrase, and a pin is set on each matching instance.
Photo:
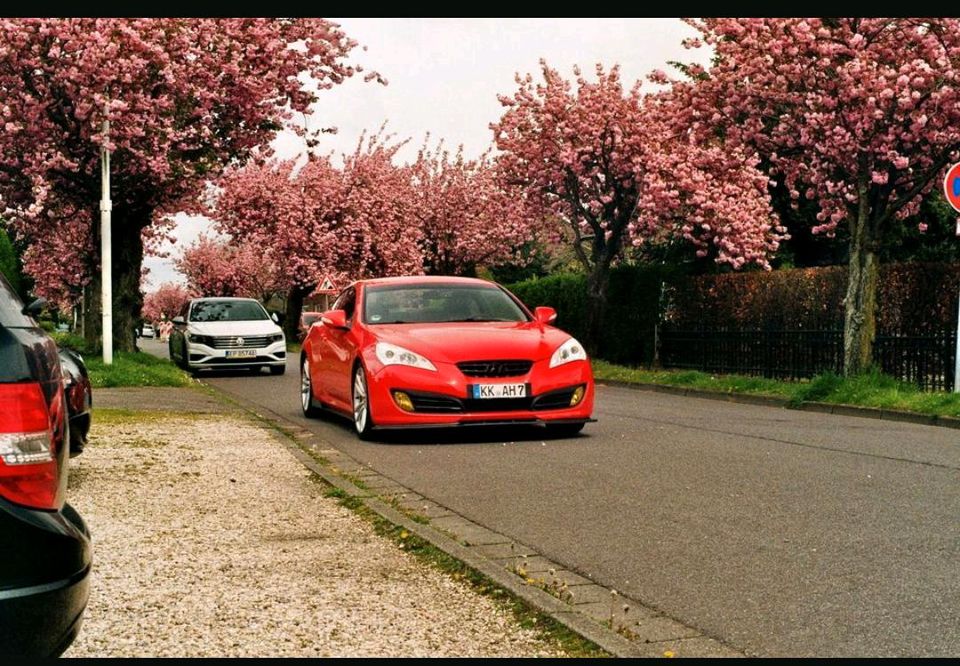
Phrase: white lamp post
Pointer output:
(106, 258)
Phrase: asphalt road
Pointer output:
(782, 533)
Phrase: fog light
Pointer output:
(403, 401)
(577, 395)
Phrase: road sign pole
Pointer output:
(956, 354)
(951, 192)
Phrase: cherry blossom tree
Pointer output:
(467, 217)
(357, 220)
(608, 164)
(220, 267)
(295, 213)
(165, 301)
(860, 115)
(184, 98)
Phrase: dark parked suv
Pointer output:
(44, 545)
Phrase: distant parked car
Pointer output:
(306, 321)
(220, 333)
(45, 553)
(147, 331)
(79, 394)
(411, 352)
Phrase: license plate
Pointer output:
(241, 353)
(483, 391)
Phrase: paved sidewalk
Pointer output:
(211, 539)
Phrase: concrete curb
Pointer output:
(771, 401)
(478, 546)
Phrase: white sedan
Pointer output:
(223, 333)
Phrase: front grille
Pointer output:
(236, 361)
(433, 403)
(508, 368)
(240, 341)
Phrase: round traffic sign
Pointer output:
(951, 186)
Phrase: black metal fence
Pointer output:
(924, 360)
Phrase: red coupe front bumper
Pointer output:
(443, 397)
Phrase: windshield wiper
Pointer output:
(475, 319)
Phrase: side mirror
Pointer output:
(35, 308)
(545, 315)
(275, 318)
(334, 318)
(179, 320)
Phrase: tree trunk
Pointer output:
(127, 268)
(91, 313)
(127, 251)
(860, 304)
(598, 279)
(294, 308)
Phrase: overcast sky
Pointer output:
(444, 77)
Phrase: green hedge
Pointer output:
(632, 308)
(911, 297)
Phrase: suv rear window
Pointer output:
(10, 307)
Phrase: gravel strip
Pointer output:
(211, 540)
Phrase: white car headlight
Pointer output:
(393, 355)
(571, 350)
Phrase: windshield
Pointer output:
(227, 311)
(439, 303)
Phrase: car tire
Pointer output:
(310, 407)
(360, 400)
(278, 369)
(565, 429)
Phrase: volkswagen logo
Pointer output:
(239, 342)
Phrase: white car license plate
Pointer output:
(482, 391)
(241, 353)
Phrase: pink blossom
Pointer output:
(638, 180)
(185, 97)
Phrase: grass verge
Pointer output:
(124, 416)
(135, 369)
(872, 389)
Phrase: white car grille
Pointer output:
(240, 341)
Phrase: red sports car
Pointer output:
(416, 352)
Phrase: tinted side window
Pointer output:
(10, 307)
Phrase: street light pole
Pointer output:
(106, 257)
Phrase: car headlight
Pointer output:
(571, 350)
(199, 339)
(276, 337)
(393, 355)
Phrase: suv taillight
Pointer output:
(28, 461)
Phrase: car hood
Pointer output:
(262, 327)
(455, 342)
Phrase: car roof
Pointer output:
(224, 298)
(425, 279)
